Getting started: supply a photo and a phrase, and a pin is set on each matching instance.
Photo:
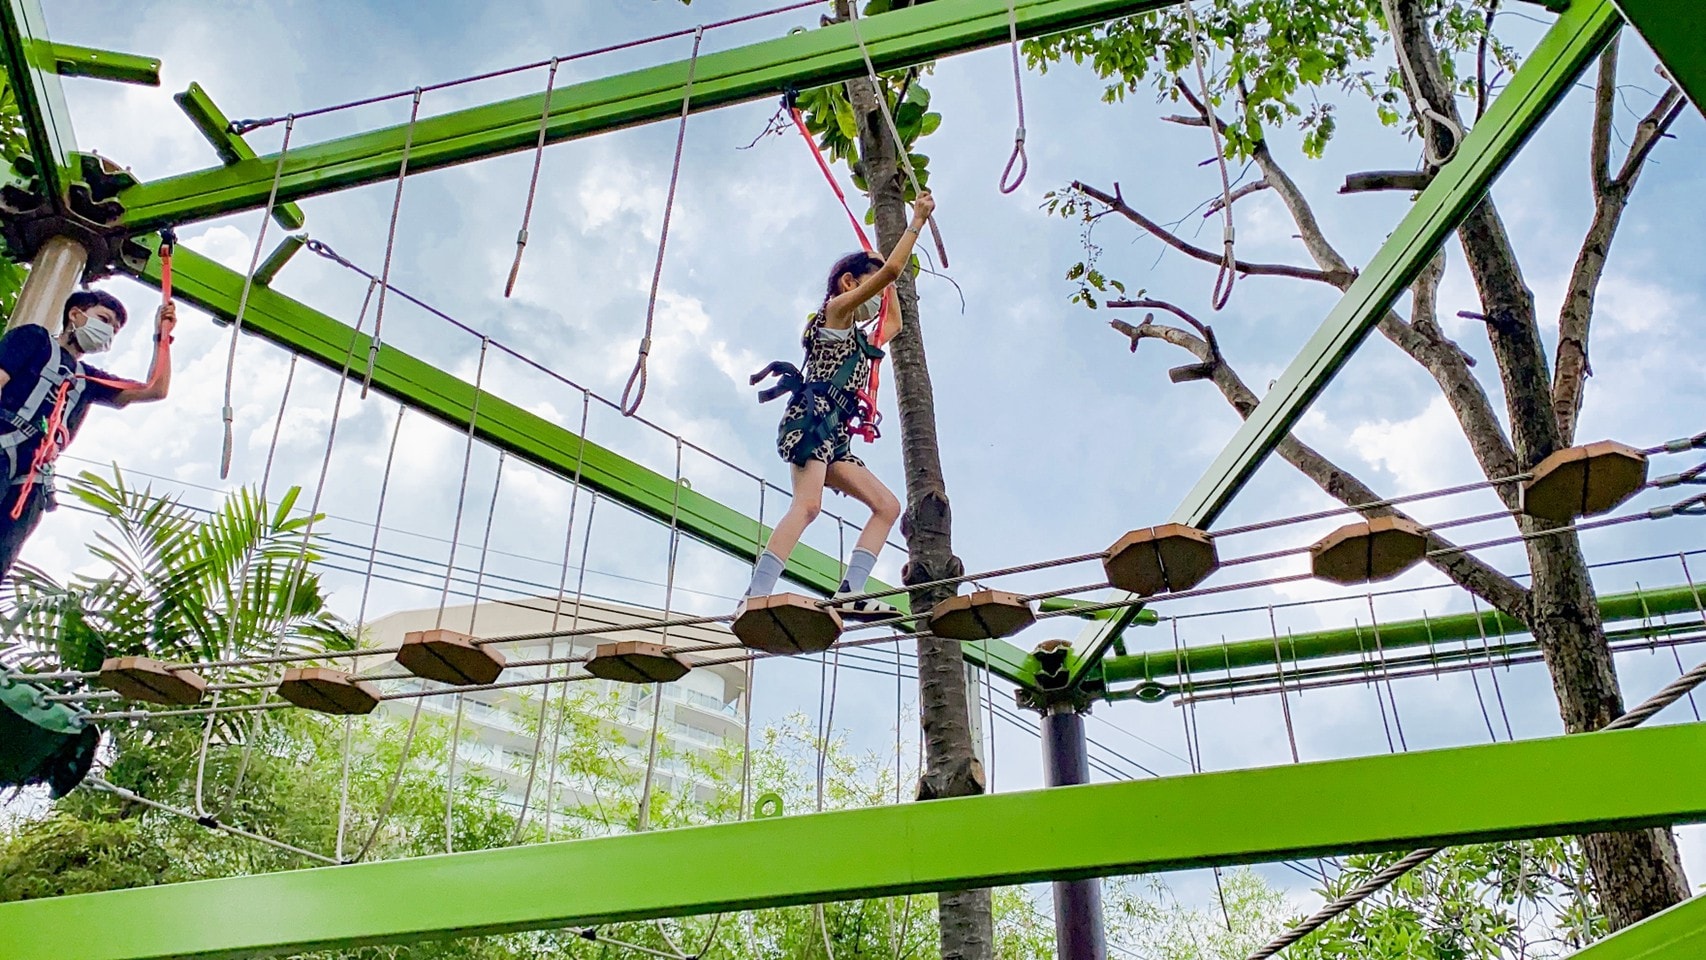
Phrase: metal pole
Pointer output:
(1077, 903)
(54, 274)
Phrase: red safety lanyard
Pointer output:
(55, 435)
(867, 430)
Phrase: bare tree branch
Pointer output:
(1219, 203)
(1463, 568)
(1409, 181)
(1116, 204)
(1611, 198)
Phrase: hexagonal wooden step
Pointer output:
(786, 624)
(1372, 550)
(635, 661)
(140, 678)
(1161, 559)
(324, 690)
(449, 657)
(1582, 481)
(984, 615)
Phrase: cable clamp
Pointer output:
(1019, 135)
(521, 237)
(645, 346)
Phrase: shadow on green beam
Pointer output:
(757, 71)
(1394, 802)
(1676, 934)
(316, 336)
(1545, 77)
(1300, 647)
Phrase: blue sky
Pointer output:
(1055, 439)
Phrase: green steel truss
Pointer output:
(1676, 31)
(32, 66)
(1543, 80)
(1383, 803)
(810, 59)
(1397, 802)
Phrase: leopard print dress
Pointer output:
(825, 353)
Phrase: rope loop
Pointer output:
(632, 397)
(1009, 182)
(1226, 277)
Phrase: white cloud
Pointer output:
(1422, 452)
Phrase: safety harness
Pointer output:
(847, 405)
(62, 378)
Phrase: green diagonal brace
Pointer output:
(1676, 934)
(1640, 778)
(316, 336)
(33, 70)
(71, 60)
(1545, 77)
(215, 127)
(1676, 30)
(813, 58)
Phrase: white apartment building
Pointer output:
(702, 712)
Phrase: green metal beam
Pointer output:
(316, 336)
(71, 60)
(1676, 31)
(33, 71)
(1543, 80)
(812, 58)
(1394, 802)
(1296, 648)
(232, 149)
(1676, 934)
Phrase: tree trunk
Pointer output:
(1639, 873)
(950, 765)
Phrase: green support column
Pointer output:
(316, 336)
(1397, 802)
(814, 58)
(1676, 30)
(1544, 78)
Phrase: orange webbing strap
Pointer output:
(54, 437)
(866, 430)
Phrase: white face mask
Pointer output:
(870, 308)
(94, 335)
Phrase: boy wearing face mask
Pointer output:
(34, 366)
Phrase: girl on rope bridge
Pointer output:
(45, 392)
(829, 402)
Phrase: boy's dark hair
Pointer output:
(84, 299)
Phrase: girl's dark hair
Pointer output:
(858, 264)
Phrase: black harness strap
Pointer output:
(843, 401)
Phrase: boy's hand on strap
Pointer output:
(165, 321)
